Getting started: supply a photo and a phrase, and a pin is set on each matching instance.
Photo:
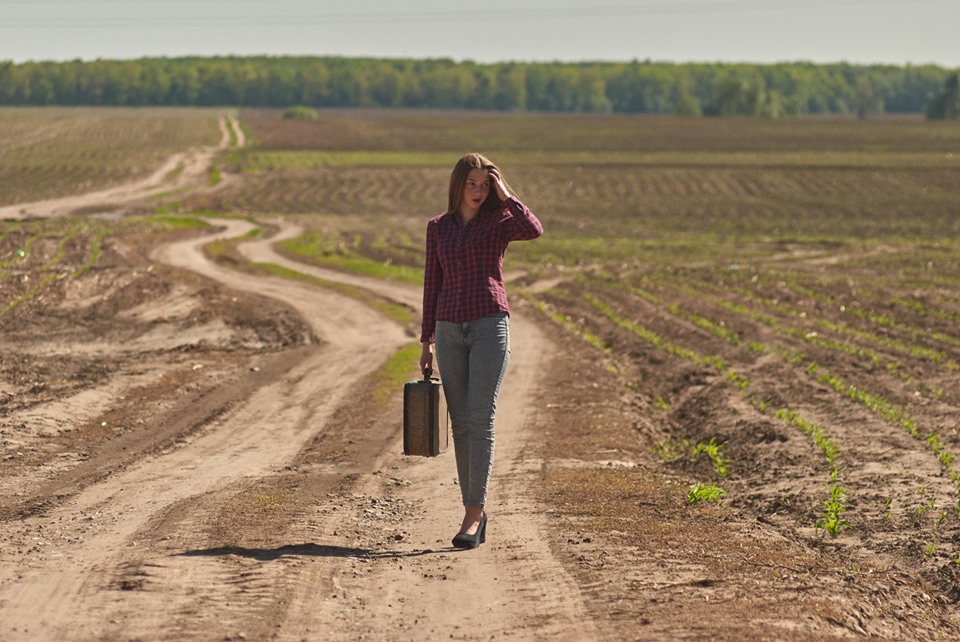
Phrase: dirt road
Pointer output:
(193, 452)
(514, 586)
(181, 171)
(290, 512)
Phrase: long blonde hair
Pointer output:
(458, 182)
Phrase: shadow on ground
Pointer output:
(307, 550)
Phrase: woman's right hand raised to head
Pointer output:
(496, 178)
(426, 357)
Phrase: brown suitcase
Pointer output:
(425, 420)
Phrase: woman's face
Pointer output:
(476, 190)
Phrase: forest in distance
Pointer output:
(690, 89)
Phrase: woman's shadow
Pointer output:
(307, 550)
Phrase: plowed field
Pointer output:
(732, 411)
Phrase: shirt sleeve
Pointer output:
(518, 222)
(432, 282)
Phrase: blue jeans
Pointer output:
(473, 358)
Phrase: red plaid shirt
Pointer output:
(463, 277)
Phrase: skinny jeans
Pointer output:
(473, 358)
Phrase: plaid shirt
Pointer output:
(463, 277)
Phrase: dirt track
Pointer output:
(181, 171)
(195, 453)
(131, 551)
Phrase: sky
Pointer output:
(856, 31)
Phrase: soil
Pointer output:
(193, 453)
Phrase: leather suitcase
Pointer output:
(425, 420)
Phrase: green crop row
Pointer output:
(929, 354)
(832, 520)
(669, 450)
(693, 160)
(29, 294)
(71, 234)
(873, 401)
(890, 412)
(567, 323)
(925, 310)
(881, 319)
(877, 403)
(47, 279)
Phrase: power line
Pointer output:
(515, 14)
(635, 6)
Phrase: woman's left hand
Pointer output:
(426, 357)
(502, 192)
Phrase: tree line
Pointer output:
(771, 90)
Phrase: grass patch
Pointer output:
(257, 161)
(398, 369)
(168, 208)
(393, 311)
(300, 112)
(231, 131)
(225, 252)
(312, 159)
(180, 221)
(174, 173)
(327, 252)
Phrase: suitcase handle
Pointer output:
(427, 373)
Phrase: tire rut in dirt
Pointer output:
(232, 560)
(154, 433)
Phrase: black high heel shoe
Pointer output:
(462, 540)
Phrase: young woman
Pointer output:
(465, 313)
